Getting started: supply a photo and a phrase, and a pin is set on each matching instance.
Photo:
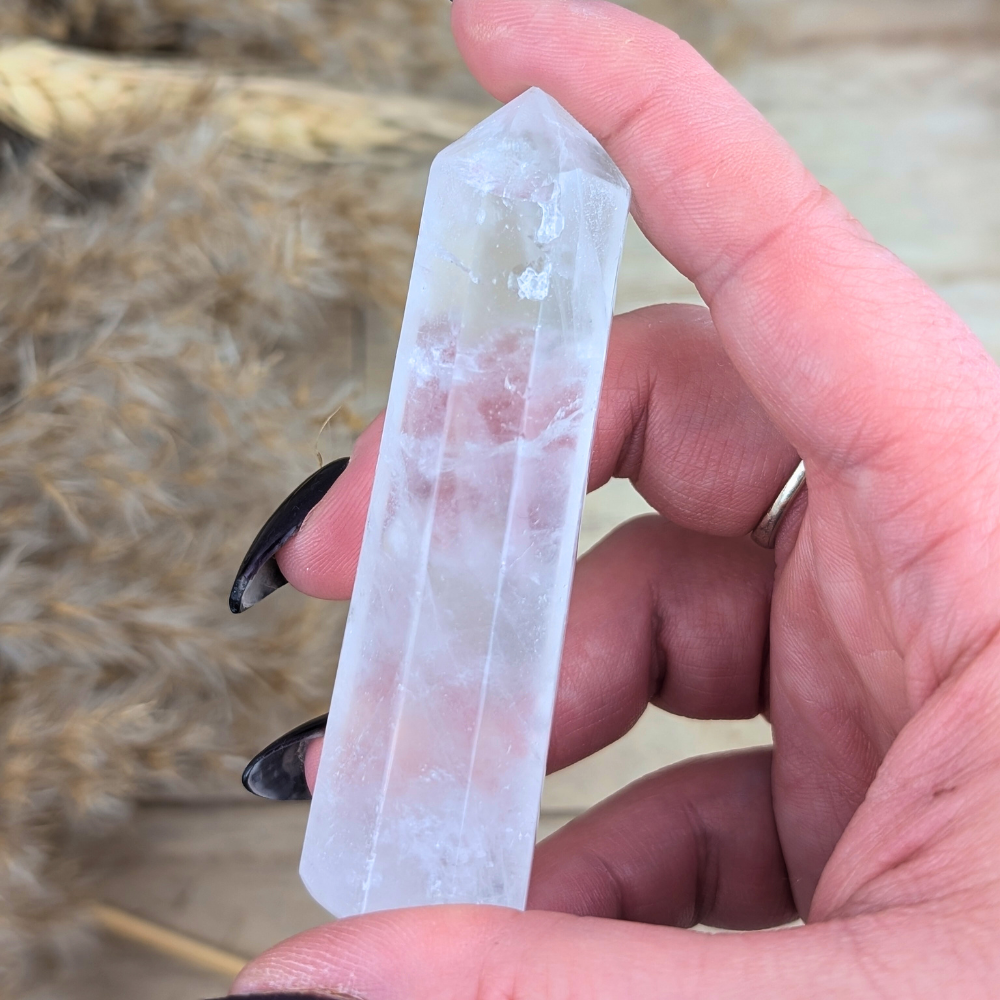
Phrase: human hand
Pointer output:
(870, 636)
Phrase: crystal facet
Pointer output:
(430, 778)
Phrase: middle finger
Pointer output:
(675, 418)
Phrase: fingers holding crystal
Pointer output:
(675, 417)
(841, 343)
(322, 558)
(678, 420)
(472, 952)
(694, 843)
(660, 614)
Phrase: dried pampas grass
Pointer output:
(400, 45)
(53, 92)
(177, 321)
(184, 301)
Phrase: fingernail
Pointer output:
(259, 574)
(279, 770)
(289, 996)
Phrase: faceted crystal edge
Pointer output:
(336, 844)
(534, 98)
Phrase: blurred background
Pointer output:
(207, 216)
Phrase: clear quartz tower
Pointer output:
(431, 775)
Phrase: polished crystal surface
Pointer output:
(430, 778)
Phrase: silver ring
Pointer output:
(765, 532)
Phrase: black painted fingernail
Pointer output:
(290, 996)
(279, 770)
(259, 574)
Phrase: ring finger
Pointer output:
(658, 614)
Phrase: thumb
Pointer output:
(488, 953)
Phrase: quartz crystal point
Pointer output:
(431, 774)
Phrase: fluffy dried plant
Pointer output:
(177, 321)
(388, 44)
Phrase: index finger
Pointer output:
(835, 336)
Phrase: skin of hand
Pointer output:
(871, 636)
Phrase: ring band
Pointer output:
(765, 532)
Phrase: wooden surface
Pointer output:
(894, 106)
(908, 137)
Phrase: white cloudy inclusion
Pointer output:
(430, 778)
